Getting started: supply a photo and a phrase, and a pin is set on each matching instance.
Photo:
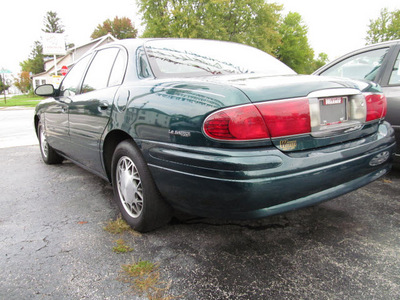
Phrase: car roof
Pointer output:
(127, 43)
(134, 43)
(388, 43)
(374, 46)
(370, 47)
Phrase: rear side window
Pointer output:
(118, 70)
(361, 66)
(395, 76)
(99, 70)
(144, 70)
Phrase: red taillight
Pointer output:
(376, 106)
(238, 123)
(286, 117)
(259, 121)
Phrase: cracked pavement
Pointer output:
(53, 245)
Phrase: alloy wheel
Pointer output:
(129, 186)
(43, 143)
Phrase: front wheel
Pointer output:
(49, 155)
(135, 192)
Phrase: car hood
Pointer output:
(264, 88)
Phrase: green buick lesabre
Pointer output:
(212, 128)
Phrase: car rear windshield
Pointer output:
(192, 58)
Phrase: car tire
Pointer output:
(49, 155)
(135, 192)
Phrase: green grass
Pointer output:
(121, 247)
(119, 226)
(144, 278)
(21, 100)
(140, 268)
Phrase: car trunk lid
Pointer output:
(304, 112)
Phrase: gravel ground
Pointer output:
(53, 245)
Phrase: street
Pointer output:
(53, 243)
(16, 127)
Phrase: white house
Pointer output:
(73, 54)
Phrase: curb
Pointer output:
(16, 108)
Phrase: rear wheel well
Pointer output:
(110, 143)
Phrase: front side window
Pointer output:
(191, 58)
(99, 70)
(395, 76)
(69, 86)
(361, 66)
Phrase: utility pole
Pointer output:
(4, 89)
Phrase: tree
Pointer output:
(321, 60)
(3, 85)
(384, 28)
(52, 23)
(119, 28)
(23, 82)
(295, 50)
(254, 23)
(35, 62)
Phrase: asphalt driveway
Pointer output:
(53, 245)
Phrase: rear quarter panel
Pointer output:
(170, 111)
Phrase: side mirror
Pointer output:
(46, 90)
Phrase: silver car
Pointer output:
(378, 63)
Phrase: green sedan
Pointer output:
(213, 129)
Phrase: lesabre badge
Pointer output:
(287, 145)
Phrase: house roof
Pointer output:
(96, 42)
(71, 53)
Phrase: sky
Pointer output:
(335, 27)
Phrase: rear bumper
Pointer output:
(243, 184)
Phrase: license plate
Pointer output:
(333, 110)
